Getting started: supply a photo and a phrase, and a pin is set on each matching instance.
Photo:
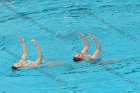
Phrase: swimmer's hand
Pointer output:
(21, 40)
(81, 35)
(92, 36)
(34, 41)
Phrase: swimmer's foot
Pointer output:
(34, 41)
(81, 35)
(21, 40)
(92, 36)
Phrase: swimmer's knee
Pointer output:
(93, 57)
(35, 64)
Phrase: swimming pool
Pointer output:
(55, 25)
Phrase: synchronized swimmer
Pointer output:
(91, 58)
(24, 63)
(82, 55)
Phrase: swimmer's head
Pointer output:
(78, 57)
(14, 68)
(17, 65)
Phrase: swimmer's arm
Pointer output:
(86, 46)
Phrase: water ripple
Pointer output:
(121, 8)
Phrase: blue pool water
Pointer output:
(55, 24)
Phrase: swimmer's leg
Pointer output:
(24, 50)
(40, 55)
(98, 47)
(109, 61)
(86, 46)
(56, 63)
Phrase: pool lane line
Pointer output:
(120, 31)
(121, 76)
(53, 77)
(85, 11)
(132, 38)
(34, 22)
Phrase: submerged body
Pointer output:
(53, 63)
(101, 62)
(30, 64)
